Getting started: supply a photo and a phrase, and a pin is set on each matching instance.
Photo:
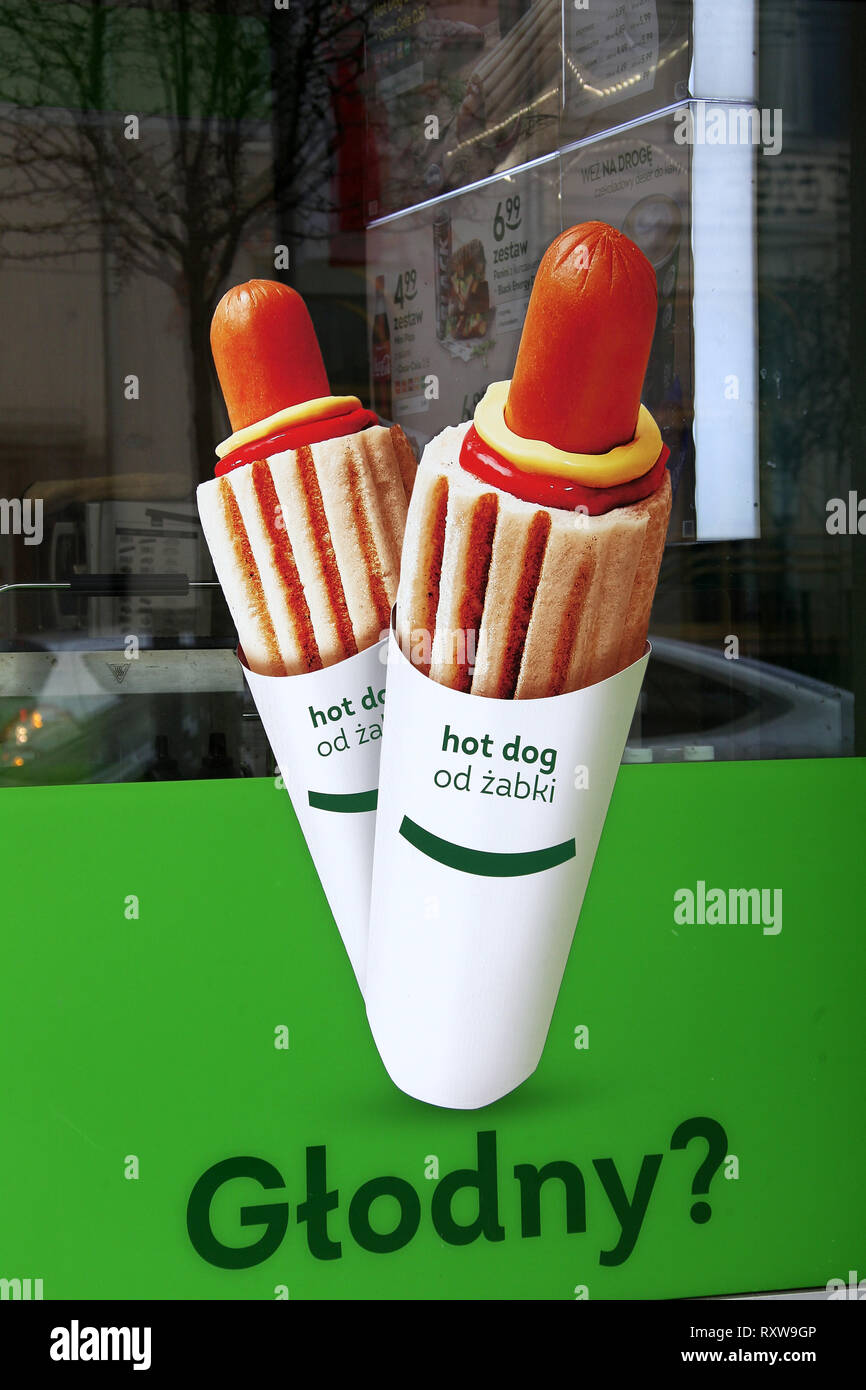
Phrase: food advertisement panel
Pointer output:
(431, 816)
(624, 59)
(453, 281)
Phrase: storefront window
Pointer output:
(404, 167)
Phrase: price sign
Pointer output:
(406, 288)
(507, 221)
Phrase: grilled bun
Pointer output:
(550, 600)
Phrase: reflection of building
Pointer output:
(100, 392)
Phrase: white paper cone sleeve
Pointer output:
(325, 729)
(490, 813)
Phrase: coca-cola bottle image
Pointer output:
(381, 354)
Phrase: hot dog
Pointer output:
(492, 544)
(305, 517)
(586, 342)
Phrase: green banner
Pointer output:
(193, 1106)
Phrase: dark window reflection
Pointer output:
(153, 154)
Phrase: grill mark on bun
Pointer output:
(325, 547)
(533, 558)
(284, 560)
(567, 635)
(479, 549)
(406, 461)
(367, 542)
(253, 580)
(434, 532)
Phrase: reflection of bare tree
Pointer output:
(209, 88)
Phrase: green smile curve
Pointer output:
(485, 862)
(344, 802)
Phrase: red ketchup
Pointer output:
(580, 367)
(549, 489)
(268, 359)
(311, 432)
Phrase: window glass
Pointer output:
(375, 156)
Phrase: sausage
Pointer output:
(586, 342)
(266, 352)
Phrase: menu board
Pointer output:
(614, 51)
(624, 59)
(454, 281)
(456, 93)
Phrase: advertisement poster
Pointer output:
(453, 281)
(431, 678)
(612, 53)
(457, 92)
(641, 182)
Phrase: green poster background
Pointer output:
(154, 1037)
